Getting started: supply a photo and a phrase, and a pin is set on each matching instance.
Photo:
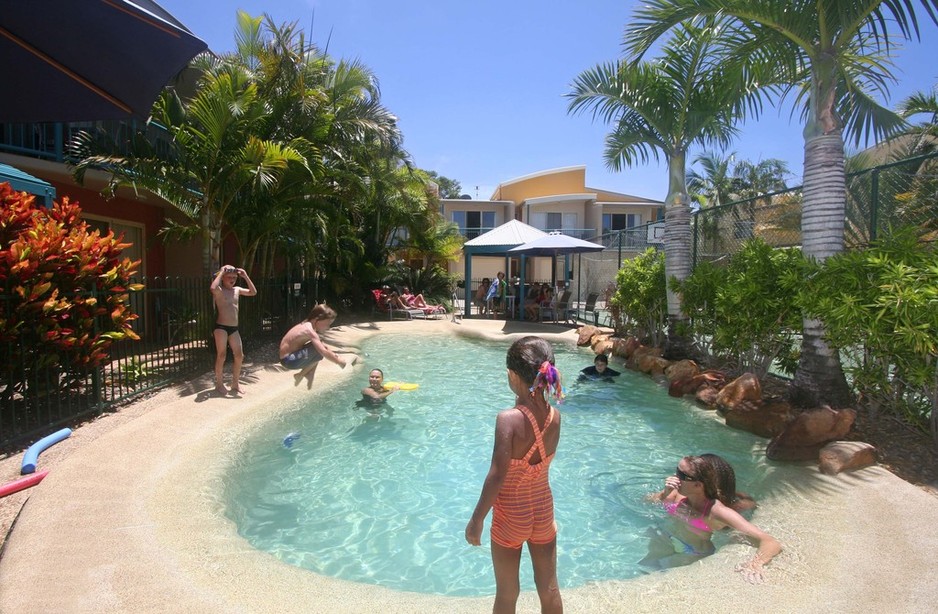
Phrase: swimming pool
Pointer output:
(385, 501)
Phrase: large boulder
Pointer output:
(839, 456)
(766, 420)
(810, 431)
(651, 364)
(745, 390)
(642, 350)
(682, 369)
(585, 335)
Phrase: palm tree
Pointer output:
(664, 107)
(214, 156)
(835, 53)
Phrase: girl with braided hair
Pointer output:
(517, 485)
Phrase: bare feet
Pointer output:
(297, 379)
(235, 391)
(309, 381)
(220, 389)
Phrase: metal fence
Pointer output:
(898, 194)
(175, 322)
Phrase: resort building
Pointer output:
(558, 200)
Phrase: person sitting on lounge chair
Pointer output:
(416, 301)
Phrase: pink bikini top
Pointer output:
(681, 510)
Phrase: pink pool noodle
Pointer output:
(19, 484)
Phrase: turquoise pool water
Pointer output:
(385, 501)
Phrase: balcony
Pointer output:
(48, 141)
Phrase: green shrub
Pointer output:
(880, 308)
(747, 313)
(640, 303)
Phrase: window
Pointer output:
(620, 221)
(473, 223)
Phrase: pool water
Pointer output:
(384, 499)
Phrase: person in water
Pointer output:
(700, 499)
(375, 393)
(599, 370)
(301, 348)
(517, 484)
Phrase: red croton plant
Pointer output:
(63, 289)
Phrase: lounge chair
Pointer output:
(382, 306)
(558, 310)
(588, 308)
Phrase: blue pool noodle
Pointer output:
(32, 453)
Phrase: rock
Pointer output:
(642, 350)
(629, 346)
(766, 420)
(651, 364)
(744, 391)
(585, 334)
(600, 344)
(621, 346)
(804, 437)
(707, 396)
(839, 456)
(682, 369)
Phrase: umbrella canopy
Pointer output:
(70, 60)
(555, 244)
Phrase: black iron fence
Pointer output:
(175, 322)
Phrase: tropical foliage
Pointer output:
(639, 304)
(880, 306)
(288, 154)
(745, 314)
(687, 96)
(65, 293)
(835, 56)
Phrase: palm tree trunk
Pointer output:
(819, 378)
(677, 253)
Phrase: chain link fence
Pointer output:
(894, 195)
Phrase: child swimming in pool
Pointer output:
(700, 498)
(517, 485)
(301, 348)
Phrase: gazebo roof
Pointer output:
(508, 235)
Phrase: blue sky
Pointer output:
(479, 86)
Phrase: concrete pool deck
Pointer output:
(130, 519)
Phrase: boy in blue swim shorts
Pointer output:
(301, 348)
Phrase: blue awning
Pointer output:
(24, 182)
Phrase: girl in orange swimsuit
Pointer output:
(517, 484)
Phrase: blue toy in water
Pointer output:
(289, 439)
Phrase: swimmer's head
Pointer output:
(601, 362)
(376, 378)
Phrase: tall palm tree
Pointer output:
(664, 107)
(835, 54)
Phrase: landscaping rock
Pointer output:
(745, 389)
(707, 396)
(682, 369)
(767, 420)
(839, 456)
(651, 364)
(585, 335)
(601, 344)
(804, 437)
(623, 346)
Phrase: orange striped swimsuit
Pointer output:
(524, 508)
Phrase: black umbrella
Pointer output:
(82, 60)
